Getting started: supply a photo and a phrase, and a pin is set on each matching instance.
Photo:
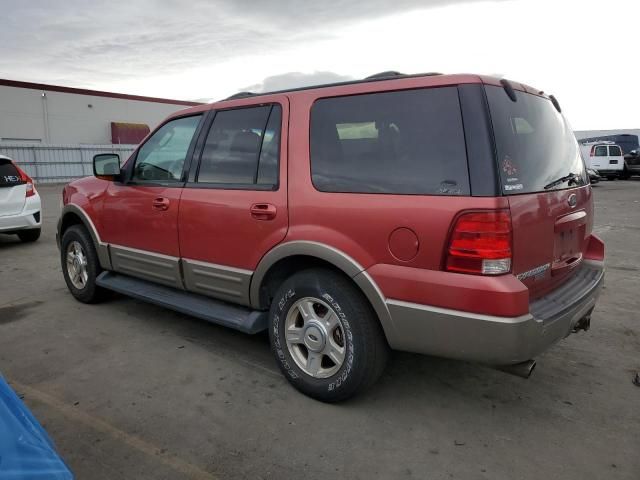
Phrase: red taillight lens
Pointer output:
(31, 189)
(593, 151)
(480, 243)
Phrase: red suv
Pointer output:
(449, 215)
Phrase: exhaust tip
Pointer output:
(522, 369)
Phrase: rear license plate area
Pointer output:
(568, 245)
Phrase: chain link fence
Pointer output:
(59, 163)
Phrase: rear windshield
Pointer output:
(404, 142)
(9, 175)
(615, 151)
(535, 145)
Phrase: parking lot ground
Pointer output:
(129, 390)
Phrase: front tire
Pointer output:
(28, 236)
(80, 265)
(325, 336)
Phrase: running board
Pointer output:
(205, 308)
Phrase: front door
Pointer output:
(233, 210)
(140, 215)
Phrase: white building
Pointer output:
(49, 114)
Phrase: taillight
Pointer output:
(31, 189)
(480, 243)
(592, 153)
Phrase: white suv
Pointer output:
(20, 207)
(607, 159)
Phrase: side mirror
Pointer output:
(107, 166)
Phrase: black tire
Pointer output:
(28, 236)
(90, 293)
(611, 178)
(366, 349)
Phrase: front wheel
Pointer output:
(80, 265)
(325, 336)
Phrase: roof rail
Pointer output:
(372, 78)
(386, 74)
(238, 95)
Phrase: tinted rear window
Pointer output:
(535, 144)
(615, 151)
(406, 142)
(9, 175)
(601, 151)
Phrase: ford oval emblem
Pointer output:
(572, 200)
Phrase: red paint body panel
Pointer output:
(129, 219)
(503, 295)
(547, 230)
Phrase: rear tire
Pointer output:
(325, 336)
(28, 236)
(80, 265)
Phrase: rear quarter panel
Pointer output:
(360, 225)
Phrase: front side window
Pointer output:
(161, 158)
(242, 148)
(403, 142)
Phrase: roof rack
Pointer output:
(238, 95)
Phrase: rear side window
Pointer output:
(9, 175)
(405, 142)
(242, 147)
(601, 151)
(615, 151)
(537, 150)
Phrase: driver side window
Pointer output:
(161, 158)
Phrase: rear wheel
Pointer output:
(28, 236)
(325, 336)
(80, 265)
(625, 174)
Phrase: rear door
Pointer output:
(12, 189)
(233, 210)
(616, 159)
(599, 158)
(544, 177)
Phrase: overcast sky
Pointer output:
(584, 52)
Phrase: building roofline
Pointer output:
(94, 93)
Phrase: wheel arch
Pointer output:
(290, 257)
(75, 215)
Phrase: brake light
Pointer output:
(480, 243)
(593, 151)
(31, 189)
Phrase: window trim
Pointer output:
(197, 156)
(131, 162)
(433, 87)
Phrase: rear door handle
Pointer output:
(263, 211)
(161, 203)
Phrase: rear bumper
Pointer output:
(29, 218)
(497, 340)
(608, 171)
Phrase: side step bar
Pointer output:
(199, 306)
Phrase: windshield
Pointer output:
(535, 145)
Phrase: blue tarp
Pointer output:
(26, 451)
